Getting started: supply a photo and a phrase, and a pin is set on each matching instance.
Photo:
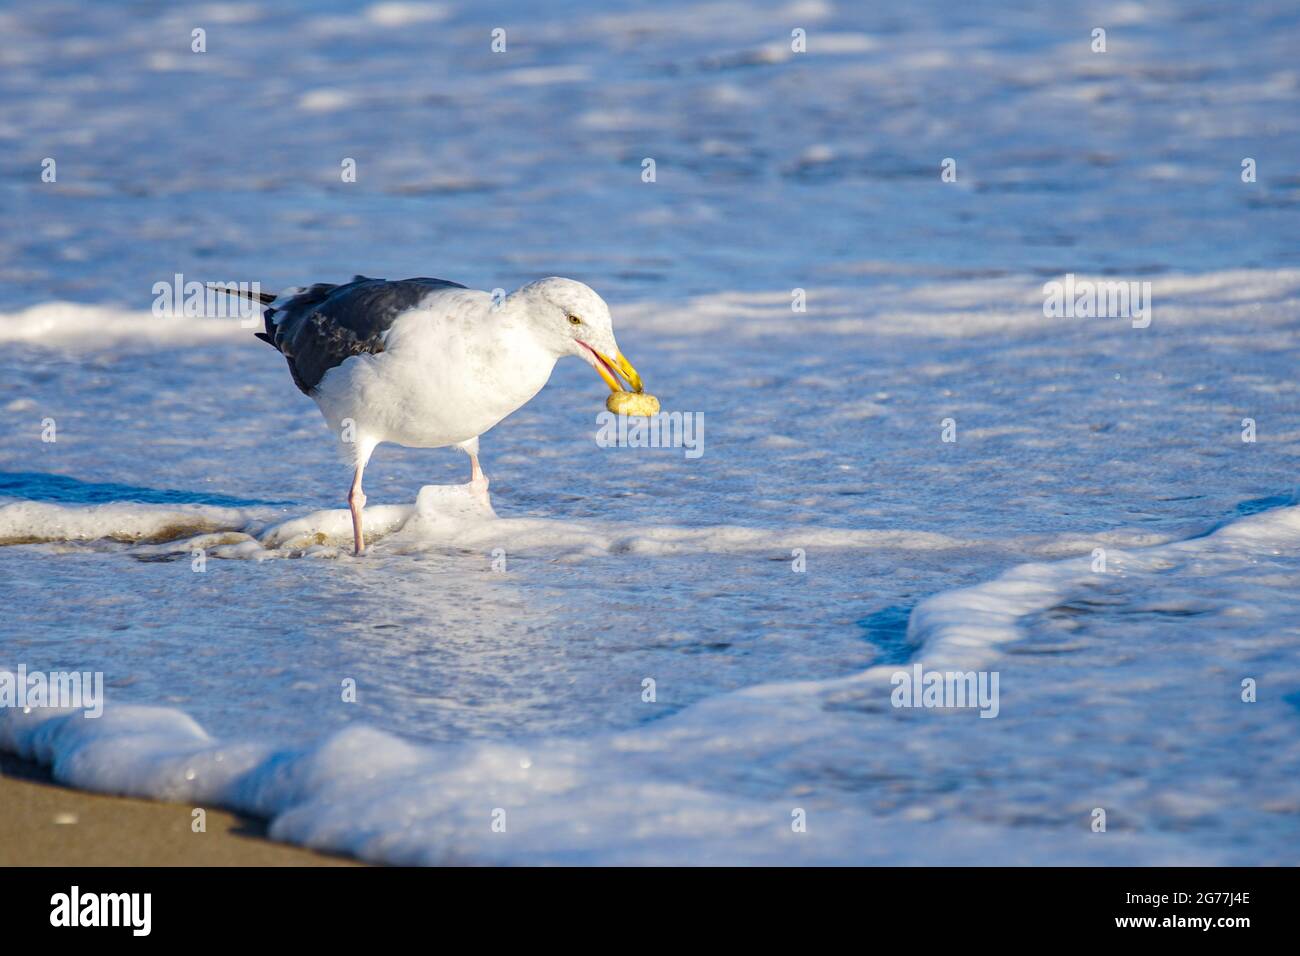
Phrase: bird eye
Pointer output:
(574, 320)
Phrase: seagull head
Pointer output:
(573, 320)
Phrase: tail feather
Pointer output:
(266, 298)
(262, 298)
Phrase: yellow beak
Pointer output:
(607, 367)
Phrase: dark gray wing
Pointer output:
(322, 326)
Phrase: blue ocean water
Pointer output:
(774, 171)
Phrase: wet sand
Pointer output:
(44, 824)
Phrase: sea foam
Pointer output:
(689, 788)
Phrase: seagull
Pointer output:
(428, 363)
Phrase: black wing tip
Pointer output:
(266, 298)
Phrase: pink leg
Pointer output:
(357, 502)
(478, 481)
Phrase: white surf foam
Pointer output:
(30, 522)
(965, 627)
(448, 516)
(900, 306)
(72, 325)
(691, 788)
(382, 799)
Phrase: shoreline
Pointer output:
(48, 824)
